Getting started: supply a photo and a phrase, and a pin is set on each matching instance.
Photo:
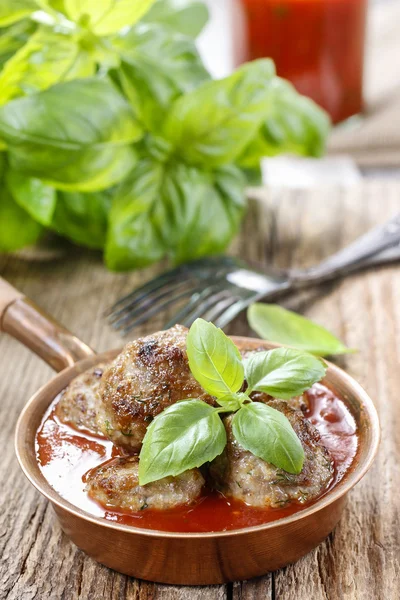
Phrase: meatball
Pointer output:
(79, 402)
(239, 474)
(116, 484)
(150, 374)
(297, 402)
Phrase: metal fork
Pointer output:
(220, 287)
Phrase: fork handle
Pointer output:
(361, 252)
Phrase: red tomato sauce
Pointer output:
(317, 44)
(65, 455)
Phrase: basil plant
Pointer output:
(113, 135)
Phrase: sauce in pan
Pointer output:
(65, 455)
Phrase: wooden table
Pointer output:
(360, 560)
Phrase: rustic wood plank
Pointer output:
(256, 589)
(361, 558)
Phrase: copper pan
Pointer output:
(178, 558)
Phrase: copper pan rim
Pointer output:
(338, 491)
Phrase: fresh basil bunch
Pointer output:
(113, 135)
(191, 433)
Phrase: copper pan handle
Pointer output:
(26, 322)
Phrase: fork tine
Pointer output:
(125, 319)
(193, 303)
(156, 300)
(201, 308)
(221, 306)
(232, 311)
(202, 268)
(201, 279)
(142, 291)
(134, 322)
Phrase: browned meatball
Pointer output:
(150, 374)
(297, 402)
(239, 474)
(117, 484)
(78, 405)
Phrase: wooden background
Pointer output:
(361, 559)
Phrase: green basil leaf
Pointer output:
(178, 211)
(268, 434)
(83, 218)
(283, 372)
(182, 437)
(212, 125)
(102, 116)
(47, 58)
(253, 176)
(15, 10)
(105, 17)
(232, 402)
(214, 360)
(157, 67)
(12, 38)
(83, 146)
(199, 212)
(274, 323)
(182, 16)
(133, 240)
(294, 124)
(90, 171)
(58, 5)
(33, 195)
(17, 228)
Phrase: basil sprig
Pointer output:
(275, 323)
(190, 433)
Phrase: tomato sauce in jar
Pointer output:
(318, 45)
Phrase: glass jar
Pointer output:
(318, 45)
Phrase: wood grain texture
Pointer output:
(361, 559)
